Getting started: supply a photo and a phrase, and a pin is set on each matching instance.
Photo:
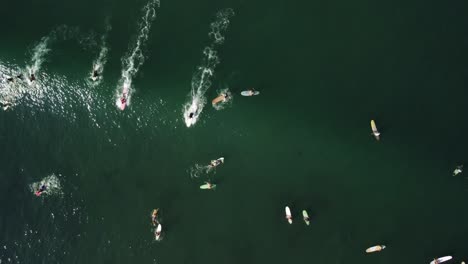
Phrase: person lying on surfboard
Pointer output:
(210, 185)
(251, 92)
(123, 100)
(32, 77)
(215, 163)
(154, 216)
(40, 190)
(95, 75)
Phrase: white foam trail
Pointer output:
(201, 79)
(132, 63)
(197, 170)
(98, 64)
(39, 53)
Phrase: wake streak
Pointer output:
(201, 79)
(133, 62)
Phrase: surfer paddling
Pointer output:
(32, 77)
(154, 217)
(41, 190)
(208, 186)
(458, 170)
(95, 75)
(216, 163)
(375, 248)
(375, 132)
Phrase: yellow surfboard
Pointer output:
(218, 99)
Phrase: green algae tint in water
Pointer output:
(323, 69)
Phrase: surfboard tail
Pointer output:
(375, 131)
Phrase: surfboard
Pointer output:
(125, 91)
(157, 233)
(442, 259)
(120, 104)
(249, 93)
(305, 215)
(375, 249)
(288, 214)
(375, 132)
(206, 186)
(218, 99)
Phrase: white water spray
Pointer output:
(52, 183)
(132, 63)
(98, 64)
(39, 53)
(201, 79)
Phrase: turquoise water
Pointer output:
(324, 71)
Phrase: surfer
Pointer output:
(154, 216)
(95, 75)
(41, 190)
(32, 77)
(458, 170)
(10, 79)
(251, 92)
(191, 115)
(210, 185)
(123, 100)
(215, 163)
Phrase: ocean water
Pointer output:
(324, 70)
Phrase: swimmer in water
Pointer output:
(154, 216)
(32, 77)
(41, 190)
(191, 115)
(10, 79)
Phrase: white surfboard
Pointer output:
(375, 248)
(375, 132)
(288, 214)
(305, 215)
(442, 259)
(250, 93)
(157, 233)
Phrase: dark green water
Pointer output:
(324, 70)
